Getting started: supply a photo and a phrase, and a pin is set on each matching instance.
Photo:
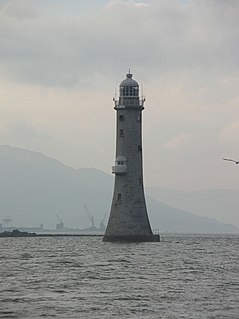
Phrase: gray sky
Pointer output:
(61, 61)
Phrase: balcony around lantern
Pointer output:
(119, 169)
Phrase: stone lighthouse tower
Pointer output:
(128, 219)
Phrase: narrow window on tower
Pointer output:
(140, 147)
(119, 196)
(121, 132)
(121, 117)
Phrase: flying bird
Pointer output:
(231, 160)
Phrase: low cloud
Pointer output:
(68, 50)
(178, 142)
(20, 9)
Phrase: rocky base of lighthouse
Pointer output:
(132, 238)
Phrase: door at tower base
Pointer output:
(128, 219)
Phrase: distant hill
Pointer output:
(222, 204)
(35, 188)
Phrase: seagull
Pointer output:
(231, 160)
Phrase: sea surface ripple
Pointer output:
(183, 276)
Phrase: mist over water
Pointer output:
(183, 276)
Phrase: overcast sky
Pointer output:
(62, 60)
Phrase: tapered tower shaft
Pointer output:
(128, 219)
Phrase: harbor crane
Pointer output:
(91, 218)
(60, 225)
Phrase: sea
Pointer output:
(183, 276)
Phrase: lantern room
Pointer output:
(129, 87)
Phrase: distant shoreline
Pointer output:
(17, 233)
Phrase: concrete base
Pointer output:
(132, 239)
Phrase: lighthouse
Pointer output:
(128, 220)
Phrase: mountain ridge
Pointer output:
(214, 203)
(35, 188)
